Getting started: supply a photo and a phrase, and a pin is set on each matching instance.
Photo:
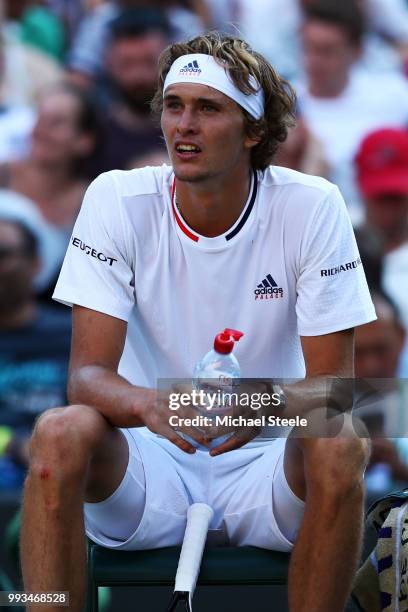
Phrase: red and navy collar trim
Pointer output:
(195, 237)
(178, 217)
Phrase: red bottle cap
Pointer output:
(224, 342)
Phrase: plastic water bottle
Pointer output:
(219, 368)
(218, 373)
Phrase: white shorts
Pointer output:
(241, 486)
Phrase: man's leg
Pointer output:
(328, 474)
(75, 456)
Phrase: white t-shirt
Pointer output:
(289, 266)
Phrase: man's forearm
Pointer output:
(120, 402)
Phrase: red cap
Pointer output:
(224, 342)
(382, 163)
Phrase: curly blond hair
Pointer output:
(241, 62)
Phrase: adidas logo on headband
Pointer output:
(191, 69)
(204, 69)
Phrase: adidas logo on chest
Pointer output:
(268, 289)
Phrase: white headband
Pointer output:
(204, 70)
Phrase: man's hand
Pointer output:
(156, 415)
(240, 435)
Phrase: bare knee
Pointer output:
(334, 467)
(63, 438)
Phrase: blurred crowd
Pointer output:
(76, 79)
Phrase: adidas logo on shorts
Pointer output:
(191, 69)
(268, 289)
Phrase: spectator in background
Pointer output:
(224, 16)
(63, 137)
(378, 344)
(378, 347)
(71, 13)
(52, 176)
(86, 57)
(34, 340)
(16, 118)
(273, 26)
(136, 41)
(16, 123)
(303, 152)
(37, 26)
(341, 105)
(382, 173)
(390, 19)
(371, 253)
(16, 207)
(25, 71)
